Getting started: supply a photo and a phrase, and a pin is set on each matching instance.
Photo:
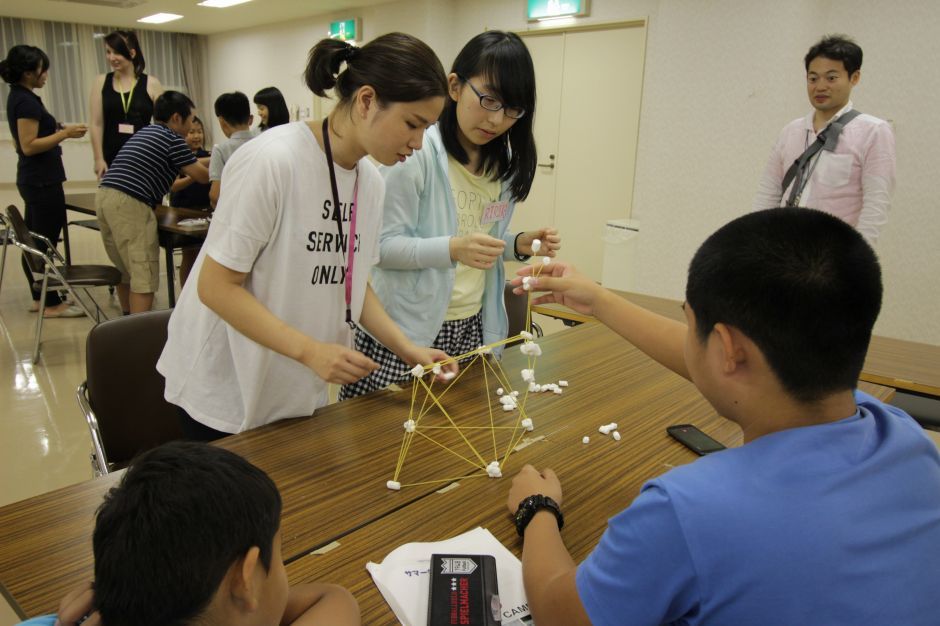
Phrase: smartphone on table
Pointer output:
(694, 439)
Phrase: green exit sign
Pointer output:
(345, 30)
(549, 9)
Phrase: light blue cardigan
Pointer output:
(415, 275)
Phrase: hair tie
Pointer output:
(349, 53)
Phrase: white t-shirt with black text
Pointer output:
(274, 221)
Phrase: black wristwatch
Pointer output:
(515, 250)
(532, 505)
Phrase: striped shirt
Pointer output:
(149, 162)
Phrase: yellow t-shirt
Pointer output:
(471, 195)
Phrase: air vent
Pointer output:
(111, 4)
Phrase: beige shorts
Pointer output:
(129, 232)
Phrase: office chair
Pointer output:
(122, 396)
(517, 309)
(48, 274)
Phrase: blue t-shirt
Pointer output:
(148, 163)
(45, 620)
(831, 524)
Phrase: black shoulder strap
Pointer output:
(826, 140)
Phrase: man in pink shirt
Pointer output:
(852, 176)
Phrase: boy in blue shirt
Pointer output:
(191, 536)
(830, 511)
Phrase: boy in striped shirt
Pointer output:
(136, 182)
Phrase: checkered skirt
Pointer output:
(456, 337)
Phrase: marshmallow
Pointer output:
(562, 383)
(526, 280)
(617, 435)
(437, 368)
(499, 391)
(531, 348)
(613, 425)
(585, 439)
(409, 426)
(526, 287)
(508, 407)
(546, 260)
(557, 391)
(448, 375)
(394, 485)
(536, 245)
(528, 375)
(534, 388)
(417, 371)
(515, 394)
(527, 424)
(527, 335)
(605, 429)
(493, 470)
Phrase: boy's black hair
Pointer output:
(171, 102)
(122, 42)
(800, 283)
(503, 59)
(272, 98)
(167, 534)
(21, 59)
(837, 48)
(234, 107)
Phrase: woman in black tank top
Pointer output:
(122, 100)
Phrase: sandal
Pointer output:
(69, 311)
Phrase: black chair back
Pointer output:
(22, 234)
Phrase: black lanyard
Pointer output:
(337, 214)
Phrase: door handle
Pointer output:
(551, 165)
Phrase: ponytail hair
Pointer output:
(400, 68)
(122, 42)
(21, 59)
(504, 61)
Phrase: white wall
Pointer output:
(721, 79)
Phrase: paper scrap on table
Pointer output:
(403, 576)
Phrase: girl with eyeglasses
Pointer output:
(447, 210)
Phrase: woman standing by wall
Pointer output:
(39, 169)
(121, 100)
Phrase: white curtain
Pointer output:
(76, 56)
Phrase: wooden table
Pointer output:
(905, 365)
(170, 234)
(331, 470)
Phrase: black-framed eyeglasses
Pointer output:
(492, 104)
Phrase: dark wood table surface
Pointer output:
(331, 469)
(905, 365)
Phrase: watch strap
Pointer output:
(532, 505)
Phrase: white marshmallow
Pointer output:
(526, 335)
(585, 439)
(508, 407)
(417, 371)
(409, 426)
(536, 245)
(617, 435)
(527, 424)
(562, 383)
(526, 280)
(526, 287)
(515, 394)
(499, 391)
(493, 470)
(557, 391)
(546, 260)
(437, 368)
(448, 375)
(531, 348)
(394, 485)
(528, 375)
(534, 388)
(613, 425)
(605, 429)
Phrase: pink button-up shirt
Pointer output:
(854, 182)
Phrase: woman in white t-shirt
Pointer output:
(267, 324)
(447, 212)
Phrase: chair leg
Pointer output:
(99, 312)
(40, 315)
(3, 259)
(68, 246)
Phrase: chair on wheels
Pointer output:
(517, 308)
(51, 273)
(122, 396)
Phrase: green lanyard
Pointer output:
(126, 102)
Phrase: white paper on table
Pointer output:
(403, 576)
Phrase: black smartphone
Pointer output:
(694, 439)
